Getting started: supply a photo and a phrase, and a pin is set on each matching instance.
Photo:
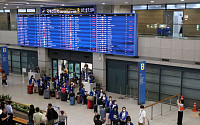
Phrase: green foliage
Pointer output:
(8, 97)
(19, 107)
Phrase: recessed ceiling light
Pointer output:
(27, 3)
(103, 3)
(6, 4)
(4, 7)
(182, 0)
(41, 5)
(17, 6)
(63, 4)
(126, 2)
(152, 1)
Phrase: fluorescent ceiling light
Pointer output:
(41, 5)
(6, 4)
(182, 0)
(17, 6)
(63, 4)
(27, 3)
(4, 7)
(152, 1)
(103, 3)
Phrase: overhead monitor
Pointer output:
(100, 33)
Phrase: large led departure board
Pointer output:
(101, 33)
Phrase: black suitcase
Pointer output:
(63, 96)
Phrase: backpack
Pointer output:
(55, 115)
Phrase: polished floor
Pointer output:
(80, 115)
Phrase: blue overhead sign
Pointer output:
(141, 82)
(4, 54)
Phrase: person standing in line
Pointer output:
(114, 116)
(142, 116)
(37, 117)
(180, 111)
(123, 115)
(50, 114)
(37, 69)
(4, 117)
(4, 78)
(128, 121)
(10, 112)
(97, 120)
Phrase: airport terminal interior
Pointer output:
(98, 62)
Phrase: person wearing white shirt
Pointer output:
(37, 117)
(142, 116)
(10, 112)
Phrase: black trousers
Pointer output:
(180, 117)
(114, 122)
(122, 123)
(4, 82)
(10, 119)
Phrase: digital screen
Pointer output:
(21, 10)
(100, 33)
(69, 10)
(30, 10)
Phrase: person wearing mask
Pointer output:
(32, 80)
(71, 88)
(94, 94)
(37, 117)
(64, 85)
(4, 78)
(47, 85)
(114, 116)
(128, 121)
(30, 114)
(180, 111)
(56, 76)
(100, 94)
(109, 102)
(45, 78)
(92, 78)
(37, 69)
(3, 103)
(114, 105)
(50, 114)
(122, 116)
(4, 117)
(63, 79)
(56, 84)
(10, 112)
(82, 94)
(40, 83)
(142, 116)
(104, 98)
(97, 120)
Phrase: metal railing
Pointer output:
(161, 111)
(131, 92)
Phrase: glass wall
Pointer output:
(18, 59)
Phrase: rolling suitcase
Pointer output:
(90, 104)
(72, 100)
(108, 121)
(41, 91)
(78, 99)
(30, 89)
(53, 93)
(35, 89)
(46, 94)
(58, 94)
(63, 96)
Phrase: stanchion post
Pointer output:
(151, 112)
(130, 91)
(161, 108)
(170, 102)
(65, 120)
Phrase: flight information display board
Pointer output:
(101, 33)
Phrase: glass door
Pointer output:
(78, 70)
(71, 69)
(55, 67)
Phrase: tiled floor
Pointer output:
(80, 115)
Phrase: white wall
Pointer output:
(8, 37)
(122, 9)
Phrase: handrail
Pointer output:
(170, 98)
(162, 100)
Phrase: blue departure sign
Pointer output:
(101, 33)
(141, 82)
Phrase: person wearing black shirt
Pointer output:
(4, 117)
(3, 103)
(97, 120)
(50, 114)
(30, 114)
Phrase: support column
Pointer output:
(44, 62)
(99, 69)
(13, 19)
